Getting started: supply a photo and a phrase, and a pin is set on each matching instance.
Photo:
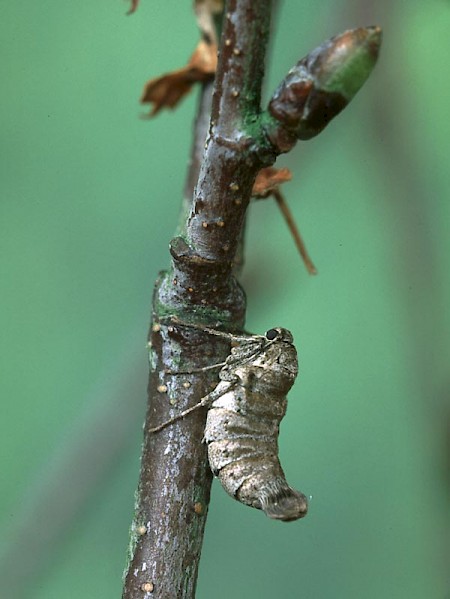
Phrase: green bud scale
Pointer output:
(320, 85)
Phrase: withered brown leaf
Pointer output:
(269, 179)
(214, 6)
(166, 91)
(205, 11)
(133, 6)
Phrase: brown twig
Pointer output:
(294, 231)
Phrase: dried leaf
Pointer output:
(269, 179)
(166, 91)
(133, 6)
(214, 6)
(205, 11)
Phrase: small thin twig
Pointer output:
(285, 210)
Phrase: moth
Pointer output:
(242, 426)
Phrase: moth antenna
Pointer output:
(219, 364)
(285, 211)
(281, 502)
(224, 334)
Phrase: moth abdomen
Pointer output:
(224, 424)
(225, 452)
(258, 481)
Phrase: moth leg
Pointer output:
(204, 402)
(203, 369)
(230, 361)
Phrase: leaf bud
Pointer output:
(320, 85)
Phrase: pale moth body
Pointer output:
(243, 423)
(242, 426)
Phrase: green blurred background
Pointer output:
(90, 198)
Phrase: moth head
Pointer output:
(279, 334)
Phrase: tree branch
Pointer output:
(175, 480)
(200, 287)
(174, 487)
(232, 157)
